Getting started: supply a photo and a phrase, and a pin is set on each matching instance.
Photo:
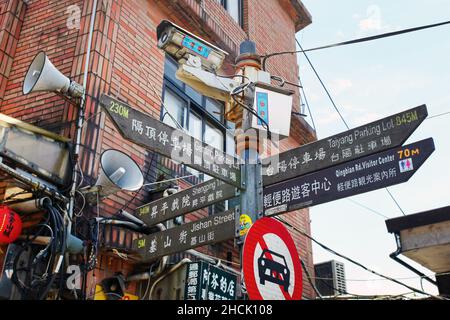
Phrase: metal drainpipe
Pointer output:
(80, 122)
(173, 269)
(394, 256)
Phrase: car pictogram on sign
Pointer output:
(273, 271)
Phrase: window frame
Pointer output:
(240, 21)
(199, 110)
(192, 106)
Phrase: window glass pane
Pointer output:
(215, 108)
(176, 107)
(194, 95)
(231, 146)
(213, 137)
(195, 126)
(195, 130)
(233, 9)
(170, 68)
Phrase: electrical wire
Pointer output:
(382, 279)
(37, 285)
(354, 41)
(379, 36)
(80, 212)
(309, 279)
(126, 205)
(367, 208)
(438, 115)
(307, 104)
(340, 115)
(253, 112)
(355, 262)
(323, 86)
(169, 180)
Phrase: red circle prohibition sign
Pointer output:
(271, 263)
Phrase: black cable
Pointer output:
(354, 41)
(39, 285)
(379, 36)
(340, 115)
(307, 104)
(62, 244)
(349, 259)
(253, 112)
(323, 85)
(309, 279)
(438, 115)
(367, 208)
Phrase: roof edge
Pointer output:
(418, 219)
(304, 17)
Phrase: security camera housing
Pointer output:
(186, 47)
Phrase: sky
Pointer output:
(370, 81)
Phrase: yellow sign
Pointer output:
(245, 222)
(100, 295)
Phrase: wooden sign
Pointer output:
(185, 201)
(370, 173)
(365, 140)
(175, 144)
(215, 228)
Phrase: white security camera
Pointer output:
(187, 48)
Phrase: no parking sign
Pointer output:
(271, 265)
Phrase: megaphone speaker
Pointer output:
(42, 75)
(118, 172)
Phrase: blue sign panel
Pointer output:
(196, 46)
(262, 106)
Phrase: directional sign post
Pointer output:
(216, 228)
(271, 263)
(350, 145)
(189, 200)
(370, 173)
(175, 144)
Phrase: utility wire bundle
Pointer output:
(35, 275)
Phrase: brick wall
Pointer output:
(43, 28)
(126, 63)
(11, 18)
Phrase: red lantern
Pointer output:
(10, 225)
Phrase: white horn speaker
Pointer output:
(118, 172)
(42, 75)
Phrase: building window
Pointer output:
(202, 117)
(234, 8)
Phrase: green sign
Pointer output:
(207, 282)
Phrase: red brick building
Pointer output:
(126, 63)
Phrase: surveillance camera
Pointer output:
(186, 47)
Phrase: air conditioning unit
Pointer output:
(330, 278)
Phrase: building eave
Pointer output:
(303, 16)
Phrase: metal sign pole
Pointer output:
(248, 148)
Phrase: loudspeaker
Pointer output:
(42, 75)
(114, 287)
(118, 172)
